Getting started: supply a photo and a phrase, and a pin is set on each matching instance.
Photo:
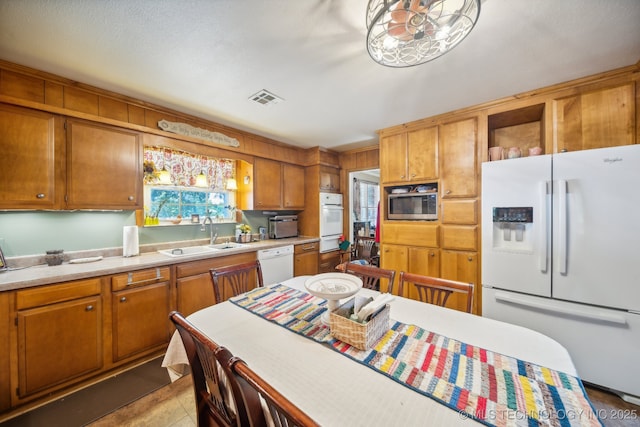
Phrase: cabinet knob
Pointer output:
(447, 192)
(413, 175)
(401, 176)
(470, 259)
(131, 198)
(432, 254)
(89, 308)
(123, 299)
(40, 196)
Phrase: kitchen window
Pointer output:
(181, 187)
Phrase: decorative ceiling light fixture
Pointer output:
(404, 33)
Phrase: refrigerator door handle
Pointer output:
(543, 232)
(562, 226)
(564, 311)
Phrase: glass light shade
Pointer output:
(404, 33)
(232, 184)
(164, 177)
(201, 180)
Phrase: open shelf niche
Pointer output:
(522, 128)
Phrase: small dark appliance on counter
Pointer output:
(282, 226)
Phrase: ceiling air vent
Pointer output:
(265, 97)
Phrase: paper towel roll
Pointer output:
(130, 241)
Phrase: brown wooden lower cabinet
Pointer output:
(59, 331)
(193, 281)
(306, 259)
(329, 261)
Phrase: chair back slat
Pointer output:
(282, 411)
(371, 276)
(435, 290)
(239, 279)
(216, 390)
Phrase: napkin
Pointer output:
(366, 312)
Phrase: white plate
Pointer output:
(333, 286)
(83, 260)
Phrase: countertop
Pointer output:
(43, 274)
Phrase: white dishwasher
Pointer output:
(276, 264)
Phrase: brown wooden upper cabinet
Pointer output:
(32, 160)
(276, 186)
(410, 156)
(597, 119)
(104, 166)
(458, 158)
(329, 179)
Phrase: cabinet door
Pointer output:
(422, 154)
(58, 342)
(306, 259)
(195, 293)
(329, 261)
(603, 118)
(140, 319)
(394, 257)
(292, 186)
(32, 159)
(463, 267)
(104, 167)
(329, 179)
(393, 158)
(458, 160)
(267, 191)
(424, 261)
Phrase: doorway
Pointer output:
(364, 195)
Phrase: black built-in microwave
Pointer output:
(413, 206)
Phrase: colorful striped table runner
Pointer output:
(490, 387)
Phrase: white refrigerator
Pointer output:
(561, 255)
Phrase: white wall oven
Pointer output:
(331, 214)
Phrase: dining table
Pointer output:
(337, 390)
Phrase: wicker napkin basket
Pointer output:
(360, 335)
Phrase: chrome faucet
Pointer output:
(213, 231)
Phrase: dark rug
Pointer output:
(93, 402)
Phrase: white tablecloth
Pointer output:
(337, 391)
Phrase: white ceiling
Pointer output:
(207, 57)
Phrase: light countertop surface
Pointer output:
(42, 274)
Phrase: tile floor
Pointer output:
(171, 406)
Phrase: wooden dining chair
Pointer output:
(281, 411)
(371, 275)
(240, 278)
(436, 291)
(217, 392)
(365, 248)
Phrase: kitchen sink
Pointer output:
(189, 250)
(229, 245)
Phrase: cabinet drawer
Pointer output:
(460, 237)
(52, 294)
(306, 247)
(460, 212)
(140, 278)
(411, 234)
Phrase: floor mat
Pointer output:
(93, 402)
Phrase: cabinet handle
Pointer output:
(308, 248)
(123, 299)
(40, 196)
(131, 198)
(89, 308)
